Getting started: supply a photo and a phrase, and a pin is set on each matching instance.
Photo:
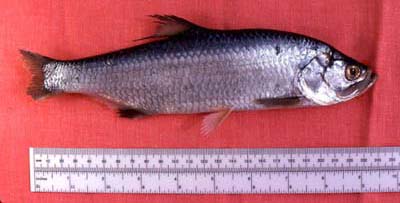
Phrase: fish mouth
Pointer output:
(359, 87)
(373, 79)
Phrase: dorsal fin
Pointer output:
(170, 25)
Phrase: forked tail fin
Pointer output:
(35, 63)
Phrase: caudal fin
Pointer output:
(35, 63)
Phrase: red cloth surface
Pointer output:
(365, 29)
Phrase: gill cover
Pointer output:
(312, 84)
(333, 78)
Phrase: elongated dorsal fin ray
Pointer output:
(170, 25)
(213, 120)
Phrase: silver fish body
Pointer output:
(203, 70)
(194, 74)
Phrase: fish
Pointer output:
(186, 68)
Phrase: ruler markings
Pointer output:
(215, 171)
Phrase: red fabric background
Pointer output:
(365, 29)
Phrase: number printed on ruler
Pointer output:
(227, 171)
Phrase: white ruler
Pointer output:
(226, 171)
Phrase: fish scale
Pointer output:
(217, 77)
(192, 69)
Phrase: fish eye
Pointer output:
(352, 72)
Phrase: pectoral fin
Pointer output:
(213, 120)
(279, 102)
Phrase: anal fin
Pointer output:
(123, 110)
(130, 113)
(213, 120)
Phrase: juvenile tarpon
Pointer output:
(193, 69)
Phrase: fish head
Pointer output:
(333, 78)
